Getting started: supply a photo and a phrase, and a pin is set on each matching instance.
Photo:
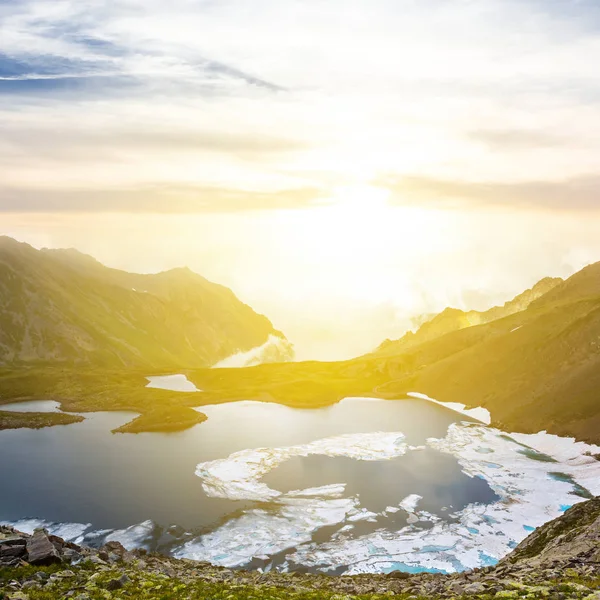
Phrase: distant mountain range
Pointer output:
(64, 307)
(453, 319)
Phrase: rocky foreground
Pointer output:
(559, 561)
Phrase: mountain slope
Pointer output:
(64, 307)
(536, 369)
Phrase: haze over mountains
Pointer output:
(61, 306)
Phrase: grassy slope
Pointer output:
(13, 420)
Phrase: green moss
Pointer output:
(169, 418)
(15, 420)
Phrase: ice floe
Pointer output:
(173, 383)
(68, 531)
(141, 535)
(238, 476)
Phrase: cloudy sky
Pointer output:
(343, 165)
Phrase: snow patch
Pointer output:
(173, 383)
(481, 414)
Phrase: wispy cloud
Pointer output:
(510, 139)
(576, 194)
(171, 199)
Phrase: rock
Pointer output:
(114, 584)
(399, 575)
(115, 547)
(10, 552)
(31, 585)
(66, 574)
(40, 549)
(456, 588)
(13, 541)
(71, 556)
(475, 588)
(117, 584)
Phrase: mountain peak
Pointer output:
(71, 256)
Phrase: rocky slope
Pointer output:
(560, 561)
(61, 307)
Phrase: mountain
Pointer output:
(535, 369)
(453, 319)
(61, 306)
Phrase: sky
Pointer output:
(344, 166)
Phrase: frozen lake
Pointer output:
(364, 485)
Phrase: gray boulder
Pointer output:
(40, 550)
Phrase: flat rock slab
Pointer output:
(13, 541)
(41, 550)
(11, 551)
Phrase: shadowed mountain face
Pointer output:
(61, 306)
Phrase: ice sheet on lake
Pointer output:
(173, 383)
(529, 496)
(521, 469)
(68, 531)
(261, 533)
(479, 413)
(238, 476)
(136, 536)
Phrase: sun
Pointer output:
(363, 199)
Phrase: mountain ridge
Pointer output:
(62, 306)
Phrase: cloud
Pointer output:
(44, 48)
(579, 194)
(516, 139)
(286, 95)
(162, 199)
(111, 143)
